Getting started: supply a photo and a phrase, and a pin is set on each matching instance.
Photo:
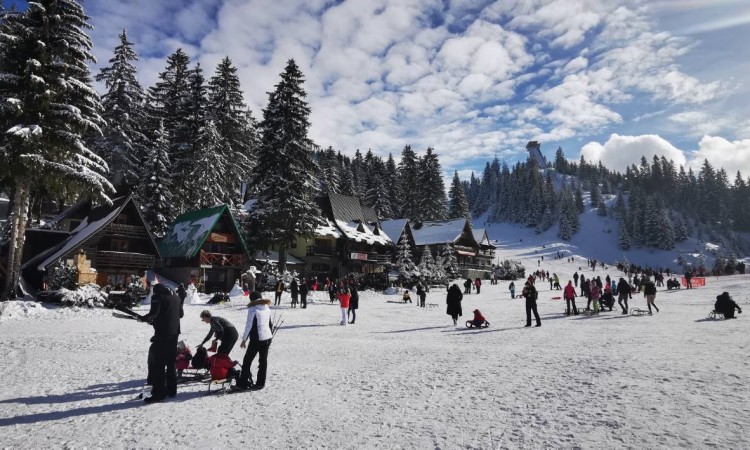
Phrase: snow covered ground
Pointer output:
(401, 377)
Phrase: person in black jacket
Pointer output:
(649, 291)
(182, 293)
(453, 299)
(530, 294)
(303, 289)
(725, 305)
(164, 315)
(294, 290)
(623, 294)
(223, 330)
(353, 302)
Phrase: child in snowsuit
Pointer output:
(478, 318)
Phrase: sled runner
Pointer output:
(471, 324)
(640, 312)
(588, 312)
(715, 315)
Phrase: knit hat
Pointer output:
(255, 296)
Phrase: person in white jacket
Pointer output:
(258, 330)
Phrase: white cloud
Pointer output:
(379, 73)
(620, 152)
(720, 152)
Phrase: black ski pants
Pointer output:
(571, 301)
(623, 297)
(531, 306)
(303, 300)
(163, 373)
(227, 341)
(277, 299)
(255, 348)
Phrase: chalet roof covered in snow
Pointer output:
(442, 231)
(480, 235)
(273, 257)
(393, 228)
(359, 232)
(189, 231)
(328, 229)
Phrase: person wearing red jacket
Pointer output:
(344, 296)
(478, 318)
(569, 293)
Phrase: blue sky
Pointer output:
(612, 79)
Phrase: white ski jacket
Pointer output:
(258, 325)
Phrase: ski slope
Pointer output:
(401, 377)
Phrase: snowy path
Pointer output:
(402, 377)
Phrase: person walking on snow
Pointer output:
(421, 295)
(344, 297)
(595, 294)
(478, 284)
(303, 290)
(575, 279)
(557, 281)
(530, 294)
(623, 294)
(294, 290)
(258, 330)
(512, 289)
(279, 291)
(453, 300)
(467, 286)
(353, 303)
(649, 291)
(569, 293)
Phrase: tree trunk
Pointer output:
(282, 258)
(18, 236)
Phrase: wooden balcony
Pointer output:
(124, 260)
(127, 231)
(222, 259)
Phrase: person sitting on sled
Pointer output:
(479, 319)
(725, 305)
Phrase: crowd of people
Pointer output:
(167, 310)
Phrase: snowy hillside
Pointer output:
(597, 239)
(402, 376)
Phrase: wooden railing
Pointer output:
(125, 260)
(131, 231)
(222, 259)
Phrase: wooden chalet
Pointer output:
(206, 247)
(486, 254)
(107, 243)
(474, 256)
(350, 241)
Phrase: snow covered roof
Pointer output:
(358, 232)
(273, 257)
(440, 232)
(480, 235)
(190, 230)
(393, 228)
(328, 229)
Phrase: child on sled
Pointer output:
(479, 319)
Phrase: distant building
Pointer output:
(535, 151)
